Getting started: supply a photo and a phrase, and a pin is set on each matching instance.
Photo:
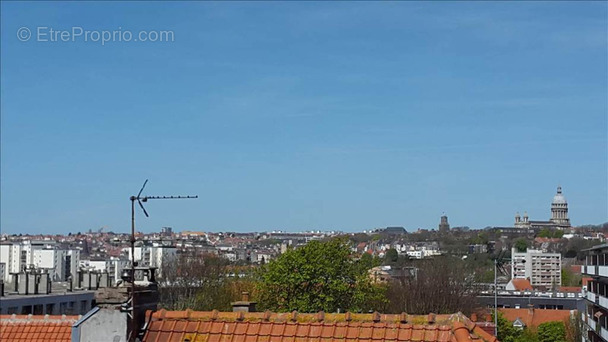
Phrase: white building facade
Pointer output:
(542, 269)
(16, 257)
(153, 256)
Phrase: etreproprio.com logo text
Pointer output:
(77, 33)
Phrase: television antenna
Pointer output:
(500, 262)
(139, 198)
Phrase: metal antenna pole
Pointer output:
(495, 298)
(140, 199)
(132, 275)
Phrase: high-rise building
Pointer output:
(542, 269)
(154, 255)
(60, 263)
(596, 294)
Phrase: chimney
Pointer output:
(118, 297)
(531, 309)
(244, 305)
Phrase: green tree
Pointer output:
(545, 233)
(575, 328)
(506, 331)
(391, 255)
(552, 332)
(521, 245)
(318, 276)
(527, 335)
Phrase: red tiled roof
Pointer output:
(278, 327)
(36, 328)
(535, 317)
(570, 289)
(521, 284)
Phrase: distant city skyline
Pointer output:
(302, 115)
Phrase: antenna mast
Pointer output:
(499, 266)
(139, 200)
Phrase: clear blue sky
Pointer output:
(304, 115)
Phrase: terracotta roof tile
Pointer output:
(535, 317)
(36, 328)
(521, 284)
(281, 327)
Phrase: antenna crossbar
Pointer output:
(140, 199)
(167, 197)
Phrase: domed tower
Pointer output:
(559, 209)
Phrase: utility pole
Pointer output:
(139, 200)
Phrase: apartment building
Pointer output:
(542, 269)
(154, 255)
(113, 266)
(60, 263)
(596, 294)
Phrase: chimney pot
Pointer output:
(376, 316)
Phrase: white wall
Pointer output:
(103, 325)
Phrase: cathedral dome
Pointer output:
(559, 198)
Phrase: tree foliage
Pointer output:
(200, 282)
(521, 245)
(506, 331)
(552, 332)
(318, 276)
(551, 233)
(442, 285)
(575, 328)
(391, 255)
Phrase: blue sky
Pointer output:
(342, 115)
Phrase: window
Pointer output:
(83, 307)
(38, 309)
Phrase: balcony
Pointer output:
(591, 323)
(595, 270)
(604, 333)
(597, 299)
(603, 302)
